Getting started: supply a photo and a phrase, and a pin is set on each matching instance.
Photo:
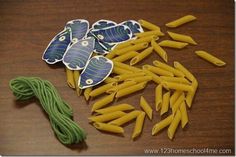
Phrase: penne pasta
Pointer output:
(177, 86)
(123, 45)
(175, 79)
(123, 77)
(131, 89)
(102, 89)
(108, 127)
(145, 39)
(87, 93)
(111, 54)
(158, 71)
(126, 56)
(158, 97)
(168, 68)
(119, 71)
(135, 47)
(126, 118)
(190, 95)
(76, 78)
(174, 97)
(110, 80)
(103, 102)
(172, 44)
(155, 78)
(210, 58)
(181, 68)
(148, 25)
(140, 79)
(138, 125)
(120, 107)
(181, 21)
(162, 124)
(182, 37)
(141, 56)
(107, 117)
(70, 78)
(127, 67)
(121, 86)
(184, 114)
(165, 103)
(159, 50)
(174, 124)
(146, 107)
(178, 102)
(149, 33)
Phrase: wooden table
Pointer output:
(26, 27)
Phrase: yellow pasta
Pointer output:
(107, 117)
(120, 107)
(158, 97)
(121, 86)
(172, 44)
(123, 77)
(181, 68)
(146, 107)
(175, 79)
(102, 89)
(162, 124)
(131, 89)
(158, 71)
(103, 102)
(135, 47)
(210, 58)
(165, 103)
(145, 39)
(126, 67)
(138, 125)
(70, 78)
(141, 56)
(174, 97)
(123, 45)
(159, 50)
(190, 95)
(126, 56)
(155, 78)
(178, 102)
(110, 80)
(119, 71)
(181, 21)
(148, 25)
(174, 124)
(177, 86)
(76, 79)
(184, 114)
(126, 118)
(149, 33)
(87, 92)
(168, 68)
(140, 79)
(108, 127)
(111, 54)
(182, 37)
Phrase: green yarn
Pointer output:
(59, 112)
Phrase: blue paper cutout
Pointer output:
(134, 26)
(103, 24)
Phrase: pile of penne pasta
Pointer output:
(175, 85)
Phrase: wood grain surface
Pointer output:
(26, 27)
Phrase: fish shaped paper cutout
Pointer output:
(78, 54)
(96, 71)
(79, 29)
(57, 47)
(100, 24)
(134, 26)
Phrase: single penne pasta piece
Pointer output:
(158, 97)
(140, 79)
(103, 102)
(110, 80)
(102, 89)
(182, 37)
(177, 86)
(174, 97)
(126, 67)
(168, 68)
(131, 89)
(184, 70)
(138, 125)
(120, 107)
(111, 54)
(178, 102)
(76, 78)
(87, 92)
(119, 71)
(121, 86)
(184, 114)
(123, 44)
(155, 78)
(145, 39)
(190, 95)
(107, 117)
(159, 50)
(175, 79)
(162, 124)
(149, 33)
(210, 58)
(123, 77)
(173, 125)
(126, 56)
(165, 103)
(157, 70)
(181, 21)
(108, 127)
(146, 107)
(135, 47)
(172, 44)
(141, 56)
(126, 118)
(148, 25)
(70, 78)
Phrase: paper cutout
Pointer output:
(134, 26)
(100, 24)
